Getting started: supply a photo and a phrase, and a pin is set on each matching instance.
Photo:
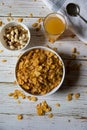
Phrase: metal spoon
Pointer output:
(74, 10)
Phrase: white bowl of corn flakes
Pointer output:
(40, 71)
(15, 36)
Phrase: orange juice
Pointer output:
(54, 24)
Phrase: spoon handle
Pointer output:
(82, 18)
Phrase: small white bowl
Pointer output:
(3, 32)
(43, 48)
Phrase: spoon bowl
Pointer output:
(74, 10)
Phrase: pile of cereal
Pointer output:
(39, 71)
(16, 37)
(43, 108)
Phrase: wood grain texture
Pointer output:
(36, 122)
(70, 115)
(23, 8)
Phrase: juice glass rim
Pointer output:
(60, 18)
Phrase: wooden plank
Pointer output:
(38, 123)
(23, 8)
(75, 108)
(64, 44)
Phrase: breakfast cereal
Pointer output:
(40, 20)
(69, 97)
(74, 50)
(1, 23)
(50, 115)
(1, 51)
(57, 105)
(77, 95)
(43, 108)
(34, 24)
(39, 71)
(38, 27)
(31, 15)
(3, 60)
(19, 117)
(20, 19)
(17, 93)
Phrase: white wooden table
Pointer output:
(70, 115)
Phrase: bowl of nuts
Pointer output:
(40, 71)
(15, 36)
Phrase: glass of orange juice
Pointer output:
(54, 25)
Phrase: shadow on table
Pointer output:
(72, 74)
(2, 128)
(68, 34)
(37, 38)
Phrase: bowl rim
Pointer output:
(58, 86)
(12, 23)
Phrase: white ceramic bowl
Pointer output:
(44, 48)
(3, 32)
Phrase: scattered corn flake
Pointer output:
(23, 96)
(34, 24)
(18, 93)
(43, 108)
(77, 95)
(50, 115)
(55, 49)
(10, 19)
(19, 101)
(51, 40)
(57, 105)
(40, 20)
(20, 117)
(29, 97)
(4, 60)
(1, 51)
(31, 15)
(1, 23)
(48, 109)
(14, 82)
(10, 94)
(73, 56)
(20, 19)
(9, 14)
(39, 27)
(15, 96)
(74, 50)
(40, 112)
(34, 98)
(69, 97)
